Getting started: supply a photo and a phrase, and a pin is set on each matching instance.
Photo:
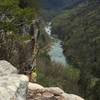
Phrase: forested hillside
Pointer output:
(15, 20)
(26, 40)
(59, 4)
(79, 28)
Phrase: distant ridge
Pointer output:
(59, 4)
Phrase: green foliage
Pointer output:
(15, 15)
(9, 3)
(52, 74)
(96, 90)
(72, 73)
(22, 38)
(79, 30)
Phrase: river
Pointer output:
(56, 52)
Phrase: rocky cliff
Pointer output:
(38, 92)
(17, 87)
(12, 85)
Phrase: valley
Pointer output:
(54, 43)
(56, 50)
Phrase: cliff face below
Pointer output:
(18, 87)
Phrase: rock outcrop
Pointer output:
(38, 92)
(18, 87)
(6, 68)
(12, 85)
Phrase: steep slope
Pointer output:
(79, 29)
(54, 7)
(17, 87)
(59, 4)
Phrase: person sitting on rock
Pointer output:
(34, 75)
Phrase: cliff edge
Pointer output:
(17, 87)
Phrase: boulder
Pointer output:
(6, 68)
(17, 87)
(48, 96)
(35, 87)
(55, 90)
(71, 97)
(76, 97)
(12, 85)
(38, 92)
